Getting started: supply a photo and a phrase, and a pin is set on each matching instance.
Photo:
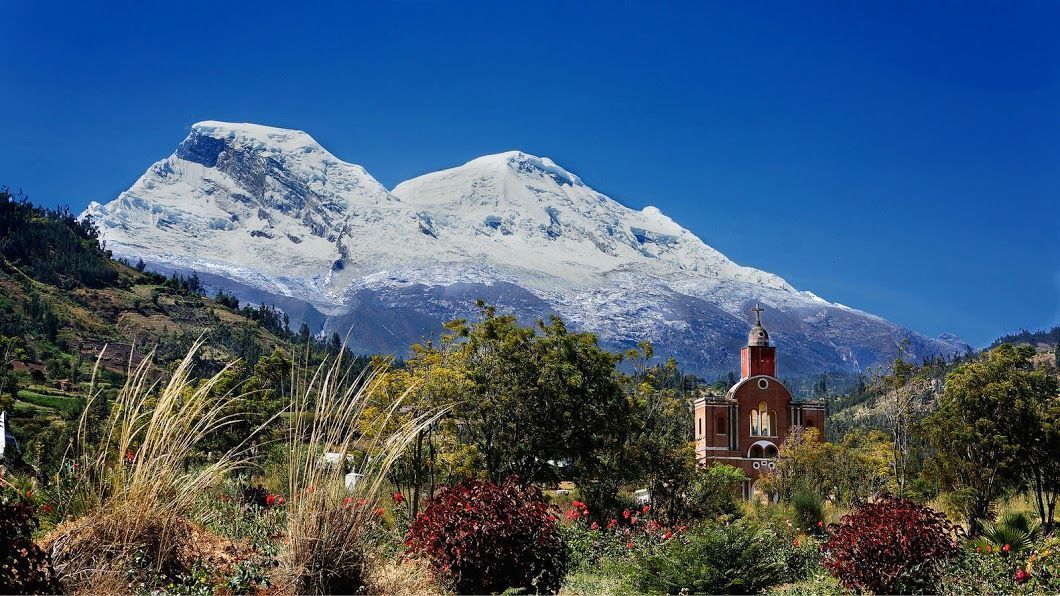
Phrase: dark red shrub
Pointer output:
(486, 538)
(891, 546)
(24, 567)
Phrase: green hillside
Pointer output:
(64, 301)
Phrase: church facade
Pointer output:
(746, 427)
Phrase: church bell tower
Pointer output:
(758, 357)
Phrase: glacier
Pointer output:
(271, 215)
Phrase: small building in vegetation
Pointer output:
(746, 427)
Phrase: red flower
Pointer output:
(633, 521)
(668, 535)
(346, 503)
(270, 500)
(1006, 548)
(612, 524)
(379, 511)
(572, 514)
(29, 494)
(820, 524)
(795, 543)
(1022, 576)
(645, 509)
(595, 526)
(46, 508)
(630, 545)
(399, 498)
(577, 504)
(681, 529)
(626, 514)
(129, 456)
(281, 501)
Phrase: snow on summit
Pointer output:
(270, 213)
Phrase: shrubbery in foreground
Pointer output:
(24, 567)
(891, 546)
(484, 537)
(742, 557)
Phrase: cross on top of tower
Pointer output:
(758, 314)
(758, 335)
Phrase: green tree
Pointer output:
(539, 397)
(1043, 460)
(898, 404)
(429, 383)
(983, 426)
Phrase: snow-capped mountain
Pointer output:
(273, 216)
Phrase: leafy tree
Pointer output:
(431, 381)
(984, 425)
(539, 397)
(849, 471)
(711, 492)
(899, 408)
(1043, 460)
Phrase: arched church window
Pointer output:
(755, 423)
(756, 451)
(763, 414)
(723, 427)
(772, 423)
(700, 421)
(771, 451)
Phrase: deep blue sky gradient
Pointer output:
(896, 157)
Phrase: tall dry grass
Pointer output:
(326, 523)
(137, 485)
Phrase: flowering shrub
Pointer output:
(635, 532)
(977, 572)
(890, 546)
(485, 538)
(1044, 565)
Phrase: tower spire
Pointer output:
(758, 357)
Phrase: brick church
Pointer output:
(747, 426)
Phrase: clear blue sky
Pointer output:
(899, 158)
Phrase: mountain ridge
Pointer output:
(270, 212)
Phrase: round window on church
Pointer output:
(763, 384)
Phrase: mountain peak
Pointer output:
(248, 130)
(208, 138)
(521, 161)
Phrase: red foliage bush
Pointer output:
(891, 546)
(487, 538)
(24, 567)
